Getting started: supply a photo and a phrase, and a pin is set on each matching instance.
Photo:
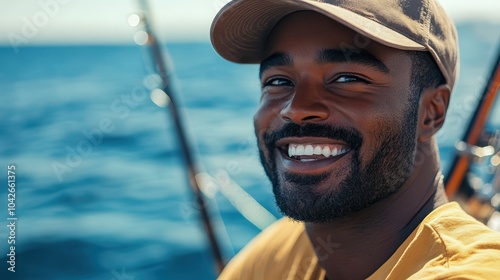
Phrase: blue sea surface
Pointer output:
(101, 189)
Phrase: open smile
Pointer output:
(311, 155)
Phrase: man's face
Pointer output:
(336, 125)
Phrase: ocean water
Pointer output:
(101, 192)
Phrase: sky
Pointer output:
(28, 22)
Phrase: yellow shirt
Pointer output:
(448, 244)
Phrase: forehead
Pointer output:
(304, 35)
(306, 25)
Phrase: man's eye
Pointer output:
(348, 79)
(278, 82)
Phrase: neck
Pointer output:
(355, 246)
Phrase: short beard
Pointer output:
(384, 174)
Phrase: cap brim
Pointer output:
(240, 29)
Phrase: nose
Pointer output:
(305, 106)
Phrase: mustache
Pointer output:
(350, 136)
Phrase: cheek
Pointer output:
(375, 129)
(261, 125)
(267, 117)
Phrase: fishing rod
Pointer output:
(163, 71)
(461, 161)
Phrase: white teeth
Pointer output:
(327, 150)
(317, 150)
(299, 151)
(309, 150)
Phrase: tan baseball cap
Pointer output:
(240, 29)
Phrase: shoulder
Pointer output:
(450, 244)
(280, 250)
(471, 249)
(461, 234)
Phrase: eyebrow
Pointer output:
(351, 56)
(276, 59)
(328, 56)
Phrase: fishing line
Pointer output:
(162, 67)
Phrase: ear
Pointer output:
(434, 103)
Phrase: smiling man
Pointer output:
(353, 93)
